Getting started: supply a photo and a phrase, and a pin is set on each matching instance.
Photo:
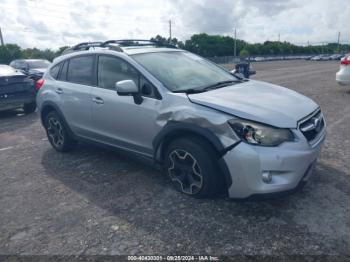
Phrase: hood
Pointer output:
(258, 101)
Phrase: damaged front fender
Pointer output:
(196, 119)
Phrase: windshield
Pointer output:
(38, 64)
(181, 71)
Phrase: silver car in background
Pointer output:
(343, 75)
(209, 130)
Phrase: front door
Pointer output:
(118, 120)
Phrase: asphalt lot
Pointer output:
(94, 201)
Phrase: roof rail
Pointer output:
(116, 45)
(137, 42)
(82, 46)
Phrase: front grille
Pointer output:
(313, 126)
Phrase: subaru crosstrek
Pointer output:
(211, 131)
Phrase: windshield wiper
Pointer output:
(207, 88)
(188, 91)
(219, 85)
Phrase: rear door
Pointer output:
(74, 85)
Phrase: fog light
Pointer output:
(266, 176)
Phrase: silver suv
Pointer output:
(211, 131)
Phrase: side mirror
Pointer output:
(126, 88)
(129, 88)
(237, 74)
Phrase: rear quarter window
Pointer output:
(62, 76)
(55, 70)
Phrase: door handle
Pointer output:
(98, 100)
(59, 91)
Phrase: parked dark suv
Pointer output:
(16, 90)
(34, 68)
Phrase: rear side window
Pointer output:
(55, 70)
(21, 65)
(63, 75)
(112, 70)
(81, 70)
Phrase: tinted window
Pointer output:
(54, 70)
(112, 70)
(81, 70)
(63, 75)
(38, 64)
(21, 65)
(147, 89)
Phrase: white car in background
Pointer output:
(343, 75)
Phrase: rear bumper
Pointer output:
(290, 164)
(10, 103)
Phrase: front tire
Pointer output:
(191, 164)
(57, 133)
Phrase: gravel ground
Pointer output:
(95, 201)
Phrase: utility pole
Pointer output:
(235, 46)
(170, 31)
(279, 37)
(338, 42)
(1, 39)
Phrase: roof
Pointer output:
(30, 60)
(127, 52)
(133, 51)
(128, 46)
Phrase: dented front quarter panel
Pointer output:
(178, 108)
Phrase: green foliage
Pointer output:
(9, 52)
(244, 53)
(202, 44)
(164, 40)
(213, 45)
(216, 45)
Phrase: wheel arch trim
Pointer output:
(174, 129)
(49, 104)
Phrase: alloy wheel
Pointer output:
(185, 171)
(55, 131)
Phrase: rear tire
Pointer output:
(29, 108)
(57, 133)
(191, 163)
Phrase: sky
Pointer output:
(55, 23)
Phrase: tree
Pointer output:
(244, 53)
(60, 50)
(9, 52)
(165, 41)
(213, 45)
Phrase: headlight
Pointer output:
(259, 134)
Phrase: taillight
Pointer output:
(39, 84)
(345, 60)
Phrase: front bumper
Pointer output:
(289, 164)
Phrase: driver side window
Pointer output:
(112, 70)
